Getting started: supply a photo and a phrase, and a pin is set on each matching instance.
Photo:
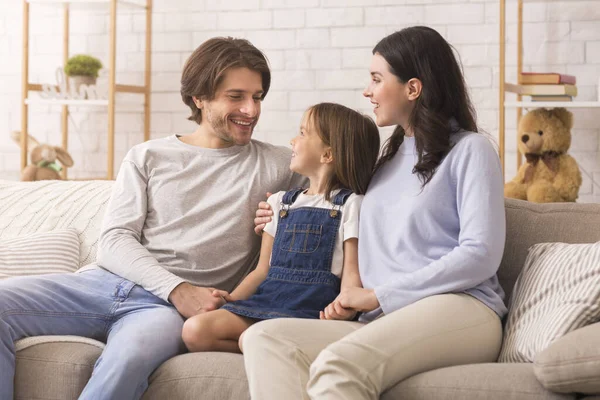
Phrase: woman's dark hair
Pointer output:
(421, 52)
(354, 141)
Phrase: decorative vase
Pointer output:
(75, 83)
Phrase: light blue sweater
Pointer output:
(446, 238)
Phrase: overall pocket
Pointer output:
(301, 238)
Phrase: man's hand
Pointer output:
(336, 311)
(191, 300)
(263, 216)
(358, 299)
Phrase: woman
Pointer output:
(431, 237)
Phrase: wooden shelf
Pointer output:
(113, 88)
(131, 3)
(552, 104)
(57, 102)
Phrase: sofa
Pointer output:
(58, 367)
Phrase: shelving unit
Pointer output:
(113, 87)
(519, 104)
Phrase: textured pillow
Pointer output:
(40, 253)
(557, 291)
(572, 363)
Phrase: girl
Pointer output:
(311, 242)
(432, 232)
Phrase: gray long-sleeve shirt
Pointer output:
(182, 213)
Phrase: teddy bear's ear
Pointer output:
(63, 156)
(565, 116)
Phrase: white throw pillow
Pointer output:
(40, 253)
(557, 291)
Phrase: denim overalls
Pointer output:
(299, 283)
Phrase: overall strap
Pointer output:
(341, 197)
(290, 196)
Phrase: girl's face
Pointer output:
(308, 150)
(389, 96)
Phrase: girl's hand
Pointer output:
(263, 216)
(336, 311)
(358, 299)
(222, 294)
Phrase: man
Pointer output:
(179, 223)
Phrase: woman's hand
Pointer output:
(263, 216)
(358, 299)
(336, 311)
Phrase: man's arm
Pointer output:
(120, 250)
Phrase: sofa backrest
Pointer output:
(530, 223)
(28, 207)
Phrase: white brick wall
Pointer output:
(319, 50)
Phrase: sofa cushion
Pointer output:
(558, 291)
(572, 363)
(530, 223)
(40, 253)
(211, 376)
(29, 207)
(54, 370)
(474, 382)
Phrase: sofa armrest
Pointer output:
(571, 363)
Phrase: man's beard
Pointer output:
(219, 126)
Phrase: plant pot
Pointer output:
(75, 83)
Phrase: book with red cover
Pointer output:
(542, 78)
(542, 90)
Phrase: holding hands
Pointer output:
(222, 294)
(350, 301)
(192, 300)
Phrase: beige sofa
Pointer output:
(60, 369)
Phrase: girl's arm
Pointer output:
(251, 282)
(350, 279)
(350, 275)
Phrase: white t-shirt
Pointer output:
(348, 227)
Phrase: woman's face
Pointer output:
(388, 95)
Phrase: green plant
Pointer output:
(83, 65)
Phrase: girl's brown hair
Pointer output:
(354, 141)
(207, 65)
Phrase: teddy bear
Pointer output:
(43, 160)
(549, 173)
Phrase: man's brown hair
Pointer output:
(354, 141)
(206, 67)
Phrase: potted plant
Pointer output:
(82, 69)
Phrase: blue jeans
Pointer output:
(141, 330)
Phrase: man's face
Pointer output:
(233, 113)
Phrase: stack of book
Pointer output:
(547, 86)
